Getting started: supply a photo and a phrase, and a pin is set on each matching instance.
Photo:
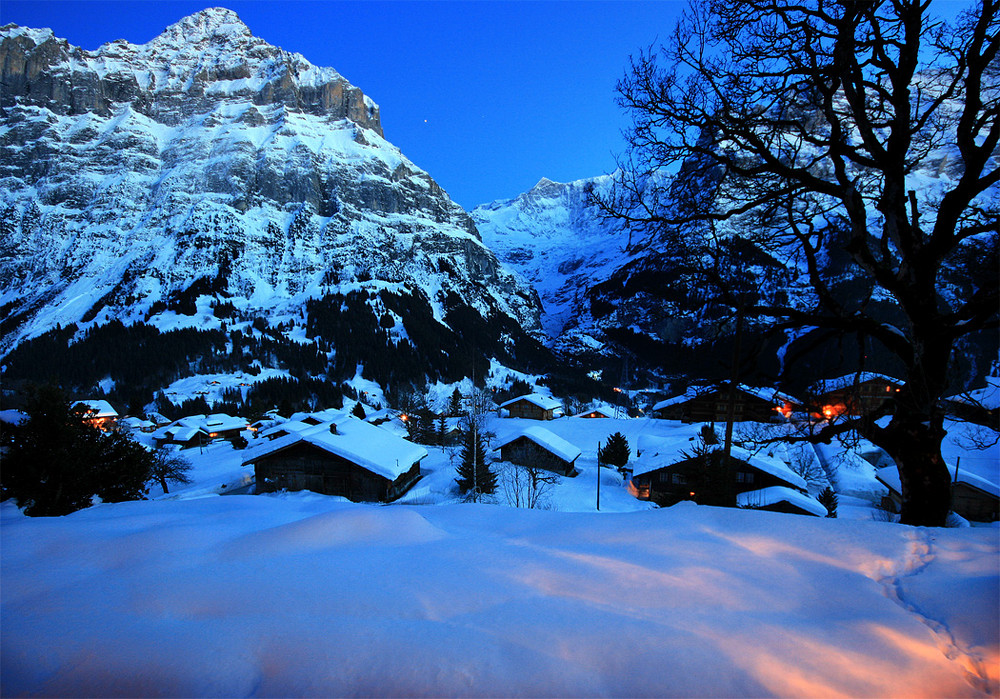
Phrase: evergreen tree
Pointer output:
(828, 499)
(57, 463)
(358, 411)
(615, 452)
(455, 404)
(474, 474)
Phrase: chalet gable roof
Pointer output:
(97, 409)
(546, 439)
(543, 402)
(776, 494)
(770, 395)
(849, 380)
(357, 441)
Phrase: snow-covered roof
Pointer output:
(98, 408)
(185, 428)
(779, 493)
(671, 455)
(849, 380)
(988, 397)
(357, 441)
(605, 411)
(13, 417)
(890, 477)
(547, 440)
(771, 395)
(136, 423)
(543, 402)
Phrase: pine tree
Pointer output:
(358, 411)
(474, 473)
(828, 499)
(455, 404)
(616, 452)
(57, 463)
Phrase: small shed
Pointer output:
(539, 447)
(779, 498)
(852, 394)
(533, 406)
(348, 457)
(972, 496)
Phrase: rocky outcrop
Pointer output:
(129, 172)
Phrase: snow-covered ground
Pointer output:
(297, 594)
(304, 595)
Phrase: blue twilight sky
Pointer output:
(488, 97)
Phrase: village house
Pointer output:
(533, 406)
(676, 471)
(198, 430)
(710, 403)
(99, 414)
(346, 457)
(598, 413)
(538, 447)
(852, 394)
(981, 406)
(972, 497)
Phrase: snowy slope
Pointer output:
(301, 595)
(129, 172)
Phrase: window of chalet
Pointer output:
(744, 477)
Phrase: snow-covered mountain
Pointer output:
(559, 243)
(212, 167)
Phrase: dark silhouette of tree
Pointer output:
(802, 131)
(57, 463)
(615, 451)
(168, 465)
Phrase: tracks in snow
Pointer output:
(919, 555)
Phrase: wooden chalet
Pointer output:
(672, 475)
(711, 404)
(540, 448)
(598, 413)
(346, 457)
(198, 430)
(973, 497)
(852, 394)
(532, 406)
(99, 414)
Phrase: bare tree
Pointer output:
(805, 133)
(526, 486)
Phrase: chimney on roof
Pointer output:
(333, 428)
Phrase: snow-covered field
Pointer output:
(304, 595)
(190, 594)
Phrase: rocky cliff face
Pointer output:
(130, 172)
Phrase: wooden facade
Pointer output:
(525, 407)
(865, 397)
(525, 452)
(304, 466)
(713, 406)
(684, 479)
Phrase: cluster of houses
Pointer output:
(336, 453)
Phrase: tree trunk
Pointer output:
(163, 482)
(926, 484)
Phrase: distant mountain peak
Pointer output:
(213, 22)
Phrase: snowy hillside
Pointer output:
(209, 167)
(302, 595)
